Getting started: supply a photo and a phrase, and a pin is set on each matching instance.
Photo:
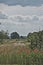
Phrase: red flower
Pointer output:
(36, 50)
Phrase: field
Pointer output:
(17, 52)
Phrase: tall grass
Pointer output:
(19, 55)
(22, 58)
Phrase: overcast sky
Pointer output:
(22, 16)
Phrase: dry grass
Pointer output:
(8, 64)
(10, 46)
(9, 50)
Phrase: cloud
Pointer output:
(25, 19)
(22, 27)
(21, 19)
(19, 10)
(35, 18)
(23, 2)
(3, 16)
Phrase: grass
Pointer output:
(8, 64)
(15, 54)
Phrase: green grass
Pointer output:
(19, 55)
(22, 58)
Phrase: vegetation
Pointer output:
(21, 56)
(21, 50)
(14, 35)
(36, 39)
(3, 35)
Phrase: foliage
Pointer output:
(14, 35)
(22, 58)
(4, 35)
(36, 39)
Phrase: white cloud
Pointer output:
(22, 19)
(22, 27)
(3, 16)
(19, 10)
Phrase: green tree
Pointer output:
(14, 35)
(3, 35)
(36, 39)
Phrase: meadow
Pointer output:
(17, 52)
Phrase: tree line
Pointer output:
(13, 35)
(35, 38)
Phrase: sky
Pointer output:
(22, 16)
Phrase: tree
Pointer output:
(14, 35)
(36, 39)
(3, 35)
